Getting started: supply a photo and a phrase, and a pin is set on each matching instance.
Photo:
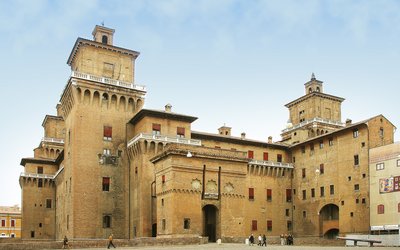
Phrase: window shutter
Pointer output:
(163, 179)
(288, 195)
(180, 131)
(251, 193)
(107, 131)
(106, 180)
(381, 209)
(265, 156)
(156, 127)
(250, 154)
(254, 225)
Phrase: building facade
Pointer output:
(107, 165)
(10, 222)
(384, 189)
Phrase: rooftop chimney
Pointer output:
(348, 122)
(168, 108)
(243, 135)
(224, 130)
(269, 139)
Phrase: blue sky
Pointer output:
(227, 62)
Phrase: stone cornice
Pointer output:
(314, 94)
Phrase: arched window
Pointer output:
(381, 209)
(317, 89)
(309, 90)
(104, 39)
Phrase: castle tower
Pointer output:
(99, 99)
(313, 114)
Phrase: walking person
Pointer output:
(110, 241)
(251, 239)
(264, 239)
(259, 240)
(65, 243)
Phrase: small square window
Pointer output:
(363, 176)
(40, 170)
(356, 160)
(357, 201)
(287, 212)
(304, 194)
(349, 178)
(363, 201)
(322, 191)
(251, 193)
(355, 133)
(269, 194)
(330, 141)
(356, 187)
(312, 192)
(106, 183)
(48, 203)
(380, 166)
(40, 183)
(342, 202)
(351, 214)
(304, 214)
(253, 225)
(332, 189)
(362, 144)
(107, 133)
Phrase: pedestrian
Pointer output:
(259, 240)
(264, 239)
(251, 239)
(282, 240)
(290, 239)
(65, 243)
(110, 241)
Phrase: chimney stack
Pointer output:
(269, 139)
(168, 108)
(348, 122)
(243, 135)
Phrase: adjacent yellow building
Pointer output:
(10, 222)
(106, 165)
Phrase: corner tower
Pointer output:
(100, 97)
(313, 114)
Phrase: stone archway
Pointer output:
(210, 218)
(329, 221)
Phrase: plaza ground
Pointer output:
(214, 246)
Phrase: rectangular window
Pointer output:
(265, 157)
(106, 183)
(357, 201)
(303, 173)
(330, 142)
(253, 225)
(288, 195)
(12, 223)
(32, 234)
(381, 132)
(312, 192)
(380, 166)
(269, 225)
(107, 133)
(287, 212)
(331, 189)
(163, 179)
(3, 223)
(40, 183)
(279, 158)
(269, 194)
(163, 224)
(322, 191)
(48, 203)
(156, 129)
(363, 201)
(251, 193)
(186, 223)
(304, 194)
(381, 209)
(321, 144)
(356, 160)
(356, 187)
(250, 154)
(289, 225)
(304, 214)
(40, 170)
(321, 169)
(106, 221)
(180, 132)
(355, 133)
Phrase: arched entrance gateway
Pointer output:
(210, 216)
(329, 221)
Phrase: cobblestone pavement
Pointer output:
(213, 246)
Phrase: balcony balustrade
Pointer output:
(53, 140)
(164, 138)
(317, 119)
(271, 164)
(39, 176)
(105, 80)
